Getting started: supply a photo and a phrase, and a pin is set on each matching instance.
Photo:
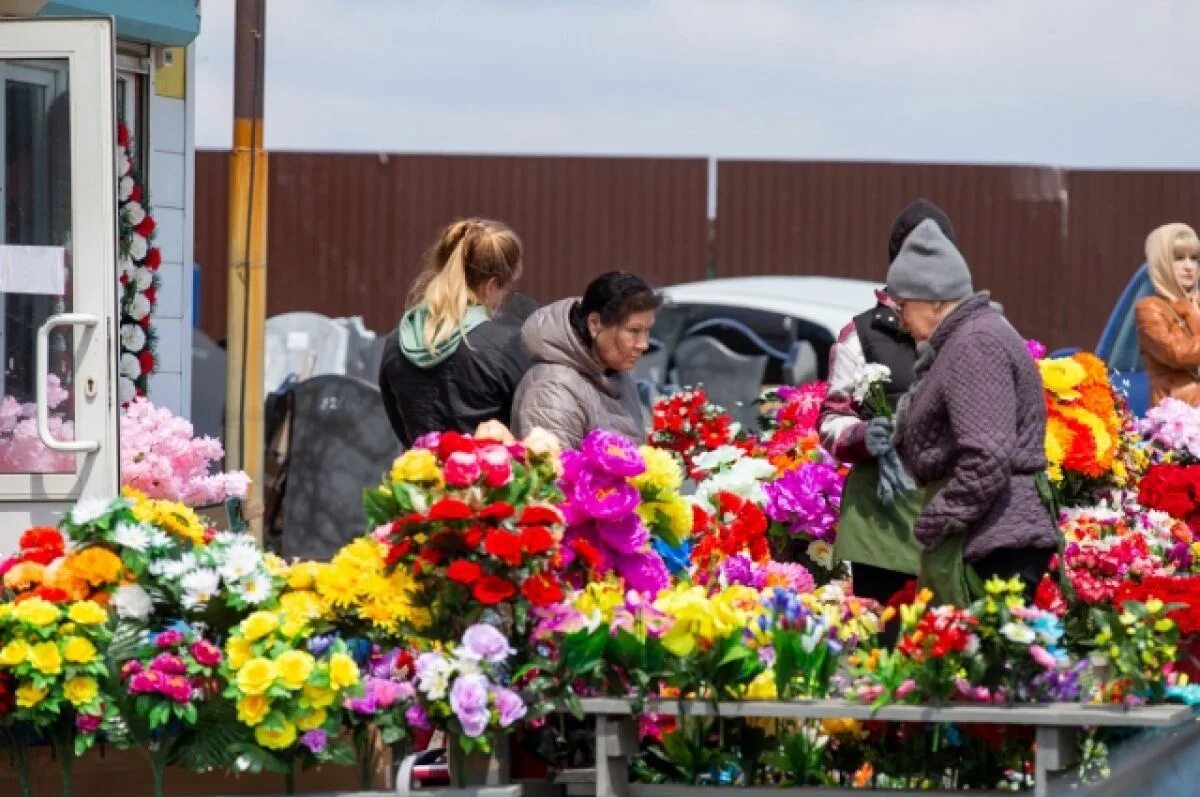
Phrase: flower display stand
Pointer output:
(1174, 740)
(482, 774)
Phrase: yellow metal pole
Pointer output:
(247, 283)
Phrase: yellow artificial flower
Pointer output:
(294, 668)
(14, 653)
(237, 652)
(279, 738)
(600, 597)
(275, 565)
(180, 520)
(337, 586)
(258, 625)
(80, 690)
(1154, 606)
(762, 687)
(45, 658)
(303, 575)
(78, 650)
(316, 697)
(311, 720)
(257, 676)
(253, 709)
(37, 611)
(29, 695)
(87, 613)
(662, 473)
(1062, 377)
(343, 672)
(417, 465)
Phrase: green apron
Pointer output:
(875, 534)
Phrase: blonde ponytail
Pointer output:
(467, 254)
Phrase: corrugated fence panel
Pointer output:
(834, 218)
(346, 231)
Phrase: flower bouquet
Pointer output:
(688, 424)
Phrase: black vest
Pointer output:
(883, 342)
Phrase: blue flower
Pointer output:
(677, 558)
(1189, 694)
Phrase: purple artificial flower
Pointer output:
(794, 576)
(806, 500)
(485, 642)
(612, 453)
(416, 717)
(317, 645)
(509, 704)
(168, 639)
(624, 534)
(474, 724)
(469, 694)
(365, 706)
(604, 497)
(87, 723)
(315, 740)
(644, 571)
(383, 692)
(1036, 350)
(428, 441)
(740, 569)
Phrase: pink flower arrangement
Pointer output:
(161, 458)
(1106, 548)
(175, 666)
(21, 450)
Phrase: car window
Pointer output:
(1125, 356)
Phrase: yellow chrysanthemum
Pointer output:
(78, 650)
(87, 613)
(343, 672)
(80, 690)
(311, 720)
(316, 697)
(417, 465)
(662, 474)
(253, 709)
(238, 652)
(302, 575)
(258, 625)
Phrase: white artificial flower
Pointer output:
(126, 390)
(88, 510)
(1018, 632)
(124, 166)
(821, 553)
(133, 338)
(132, 602)
(173, 568)
(199, 587)
(712, 460)
(125, 188)
(752, 468)
(157, 538)
(256, 589)
(138, 247)
(143, 278)
(129, 367)
(241, 559)
(868, 376)
(133, 213)
(139, 307)
(125, 266)
(134, 536)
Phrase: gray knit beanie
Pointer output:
(929, 268)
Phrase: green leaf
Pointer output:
(584, 651)
(380, 506)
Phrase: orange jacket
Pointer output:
(1169, 340)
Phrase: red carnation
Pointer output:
(145, 322)
(504, 546)
(122, 134)
(397, 552)
(43, 537)
(587, 552)
(536, 539)
(123, 279)
(472, 537)
(51, 594)
(43, 556)
(497, 512)
(146, 227)
(464, 571)
(151, 294)
(146, 361)
(491, 590)
(450, 442)
(539, 515)
(135, 195)
(153, 258)
(450, 509)
(542, 589)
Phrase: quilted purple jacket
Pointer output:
(977, 417)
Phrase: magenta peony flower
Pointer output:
(168, 639)
(603, 496)
(806, 500)
(1036, 350)
(144, 683)
(644, 571)
(383, 692)
(624, 535)
(87, 723)
(483, 642)
(740, 569)
(612, 453)
(168, 663)
(206, 653)
(462, 469)
(509, 704)
(365, 706)
(791, 575)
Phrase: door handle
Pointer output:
(42, 374)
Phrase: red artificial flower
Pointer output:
(464, 571)
(541, 589)
(497, 512)
(450, 509)
(397, 551)
(153, 258)
(451, 442)
(539, 515)
(536, 539)
(430, 554)
(151, 294)
(123, 279)
(51, 594)
(146, 361)
(587, 552)
(399, 524)
(1048, 597)
(135, 195)
(145, 321)
(145, 227)
(503, 545)
(472, 537)
(123, 136)
(491, 590)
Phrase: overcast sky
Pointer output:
(1064, 82)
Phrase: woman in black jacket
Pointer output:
(449, 366)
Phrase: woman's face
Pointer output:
(920, 317)
(619, 346)
(1187, 266)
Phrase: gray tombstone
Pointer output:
(340, 443)
(731, 380)
(302, 345)
(800, 367)
(208, 386)
(359, 341)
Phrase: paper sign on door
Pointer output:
(33, 269)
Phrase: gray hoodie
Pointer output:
(567, 392)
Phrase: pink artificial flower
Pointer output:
(462, 469)
(1043, 657)
(905, 689)
(206, 653)
(496, 465)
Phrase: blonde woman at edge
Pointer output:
(449, 366)
(1168, 323)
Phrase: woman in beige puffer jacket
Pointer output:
(583, 351)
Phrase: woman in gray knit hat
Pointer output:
(973, 422)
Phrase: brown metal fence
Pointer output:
(346, 232)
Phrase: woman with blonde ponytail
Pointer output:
(1169, 322)
(449, 366)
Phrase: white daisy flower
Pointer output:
(199, 587)
(256, 589)
(132, 602)
(174, 568)
(241, 559)
(88, 510)
(134, 536)
(130, 368)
